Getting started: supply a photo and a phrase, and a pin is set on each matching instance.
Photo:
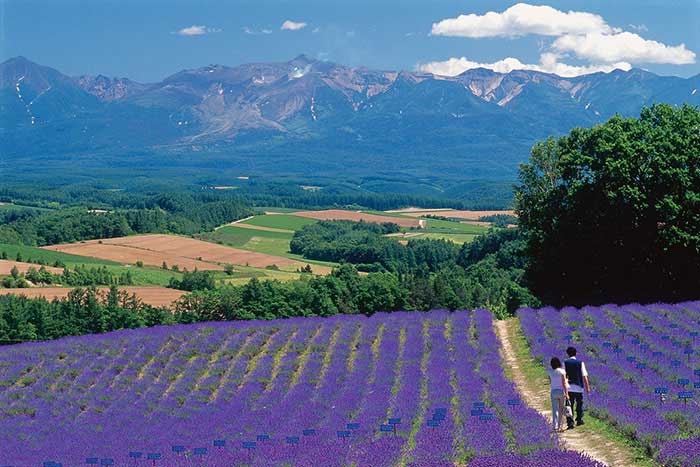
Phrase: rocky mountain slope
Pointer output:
(477, 119)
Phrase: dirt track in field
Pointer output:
(460, 214)
(6, 267)
(155, 296)
(580, 439)
(339, 214)
(181, 251)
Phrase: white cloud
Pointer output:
(639, 27)
(549, 63)
(290, 25)
(253, 32)
(584, 35)
(196, 30)
(519, 20)
(627, 46)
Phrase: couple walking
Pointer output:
(566, 387)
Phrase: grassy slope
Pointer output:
(536, 376)
(263, 241)
(441, 226)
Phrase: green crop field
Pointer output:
(441, 226)
(263, 241)
(244, 273)
(146, 275)
(280, 221)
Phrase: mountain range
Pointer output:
(307, 116)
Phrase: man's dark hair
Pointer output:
(571, 351)
(555, 362)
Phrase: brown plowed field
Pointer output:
(467, 215)
(183, 251)
(155, 296)
(6, 266)
(130, 255)
(341, 215)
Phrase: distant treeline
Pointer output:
(290, 197)
(80, 276)
(181, 213)
(82, 312)
(472, 195)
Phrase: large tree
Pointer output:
(612, 213)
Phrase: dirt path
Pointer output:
(535, 394)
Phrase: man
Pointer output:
(578, 381)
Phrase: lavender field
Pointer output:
(644, 363)
(423, 389)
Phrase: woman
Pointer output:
(559, 393)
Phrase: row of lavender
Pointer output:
(306, 391)
(644, 365)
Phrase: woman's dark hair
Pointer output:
(555, 362)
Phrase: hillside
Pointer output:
(279, 118)
(437, 388)
(307, 391)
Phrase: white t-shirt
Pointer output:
(576, 387)
(555, 378)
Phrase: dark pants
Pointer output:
(576, 400)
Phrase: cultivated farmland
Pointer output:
(339, 214)
(446, 212)
(173, 250)
(6, 267)
(392, 389)
(155, 296)
(278, 222)
(33, 254)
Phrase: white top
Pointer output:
(576, 387)
(555, 378)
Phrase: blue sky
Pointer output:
(147, 40)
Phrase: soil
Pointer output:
(183, 251)
(6, 267)
(155, 296)
(461, 214)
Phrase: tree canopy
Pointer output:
(612, 213)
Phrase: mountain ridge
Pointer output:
(484, 121)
